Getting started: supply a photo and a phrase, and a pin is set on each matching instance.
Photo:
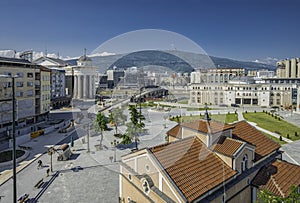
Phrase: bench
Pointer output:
(39, 183)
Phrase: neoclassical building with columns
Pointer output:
(84, 76)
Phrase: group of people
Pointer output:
(40, 165)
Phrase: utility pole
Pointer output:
(14, 140)
(88, 140)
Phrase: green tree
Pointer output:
(136, 119)
(116, 117)
(100, 125)
(265, 196)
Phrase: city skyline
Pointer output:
(250, 30)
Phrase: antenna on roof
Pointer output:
(58, 55)
(84, 51)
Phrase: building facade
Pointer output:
(32, 84)
(82, 80)
(289, 68)
(242, 91)
(216, 75)
(58, 79)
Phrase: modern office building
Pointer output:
(32, 93)
(288, 68)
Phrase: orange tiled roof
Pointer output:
(207, 126)
(245, 132)
(192, 166)
(227, 146)
(278, 177)
(175, 131)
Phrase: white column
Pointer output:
(85, 90)
(79, 95)
(75, 90)
(91, 87)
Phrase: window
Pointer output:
(29, 84)
(30, 75)
(145, 186)
(147, 168)
(129, 177)
(29, 92)
(19, 94)
(244, 163)
(20, 75)
(19, 84)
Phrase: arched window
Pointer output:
(244, 162)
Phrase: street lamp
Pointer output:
(13, 136)
(115, 143)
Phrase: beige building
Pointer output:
(29, 83)
(289, 68)
(216, 75)
(203, 161)
(244, 91)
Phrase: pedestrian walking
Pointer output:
(40, 164)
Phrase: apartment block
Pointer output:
(30, 89)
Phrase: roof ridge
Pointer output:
(277, 186)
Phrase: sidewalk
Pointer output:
(38, 147)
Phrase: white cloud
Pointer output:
(102, 54)
(268, 60)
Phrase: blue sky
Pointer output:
(238, 29)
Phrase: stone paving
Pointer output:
(87, 177)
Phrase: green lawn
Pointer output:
(274, 125)
(227, 118)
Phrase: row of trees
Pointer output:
(117, 118)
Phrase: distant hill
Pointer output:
(176, 60)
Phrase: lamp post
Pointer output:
(13, 136)
(115, 143)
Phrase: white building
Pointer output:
(84, 78)
(244, 91)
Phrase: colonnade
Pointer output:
(84, 86)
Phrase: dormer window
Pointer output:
(244, 163)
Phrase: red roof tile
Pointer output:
(207, 126)
(192, 166)
(227, 146)
(245, 132)
(175, 131)
(278, 177)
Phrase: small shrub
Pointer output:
(228, 112)
(254, 111)
(279, 118)
(288, 136)
(280, 138)
(246, 112)
(263, 111)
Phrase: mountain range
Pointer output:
(178, 61)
